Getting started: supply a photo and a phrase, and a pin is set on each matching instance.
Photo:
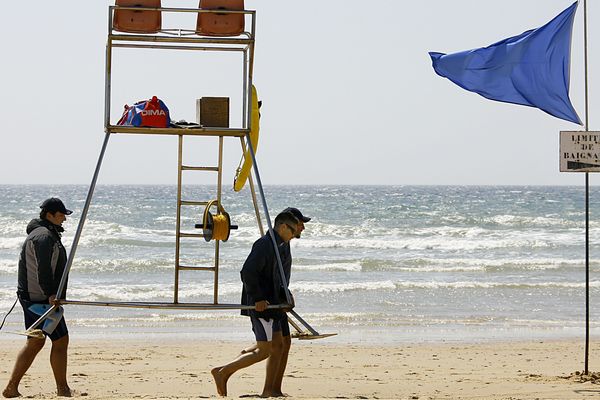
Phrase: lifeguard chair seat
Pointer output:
(137, 21)
(220, 24)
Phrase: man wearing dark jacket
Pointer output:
(282, 340)
(262, 286)
(41, 265)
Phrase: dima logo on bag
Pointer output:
(151, 113)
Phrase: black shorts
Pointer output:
(263, 328)
(283, 325)
(30, 317)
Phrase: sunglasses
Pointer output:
(292, 228)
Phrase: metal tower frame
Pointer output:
(185, 40)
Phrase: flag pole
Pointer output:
(587, 200)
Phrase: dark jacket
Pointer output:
(42, 261)
(260, 275)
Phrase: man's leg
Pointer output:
(24, 360)
(287, 343)
(263, 331)
(222, 374)
(58, 361)
(273, 365)
(284, 342)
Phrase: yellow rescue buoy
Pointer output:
(242, 173)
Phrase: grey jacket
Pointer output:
(42, 261)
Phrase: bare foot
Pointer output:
(273, 394)
(220, 380)
(64, 392)
(11, 392)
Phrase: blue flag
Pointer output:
(531, 69)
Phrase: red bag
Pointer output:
(151, 113)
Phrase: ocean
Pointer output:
(377, 264)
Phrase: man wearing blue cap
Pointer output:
(282, 340)
(261, 288)
(41, 265)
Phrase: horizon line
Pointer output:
(310, 184)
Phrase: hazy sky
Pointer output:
(348, 90)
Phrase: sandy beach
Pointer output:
(170, 368)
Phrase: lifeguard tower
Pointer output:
(221, 26)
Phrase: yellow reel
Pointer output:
(217, 227)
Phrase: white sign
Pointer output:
(579, 151)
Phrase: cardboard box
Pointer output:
(213, 111)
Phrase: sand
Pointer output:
(172, 368)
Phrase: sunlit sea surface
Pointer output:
(377, 264)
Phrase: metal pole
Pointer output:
(178, 221)
(173, 47)
(63, 280)
(587, 200)
(86, 207)
(255, 167)
(303, 322)
(217, 242)
(587, 271)
(246, 111)
(272, 234)
(262, 196)
(255, 203)
(169, 306)
(247, 107)
(107, 72)
(268, 218)
(253, 194)
(245, 90)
